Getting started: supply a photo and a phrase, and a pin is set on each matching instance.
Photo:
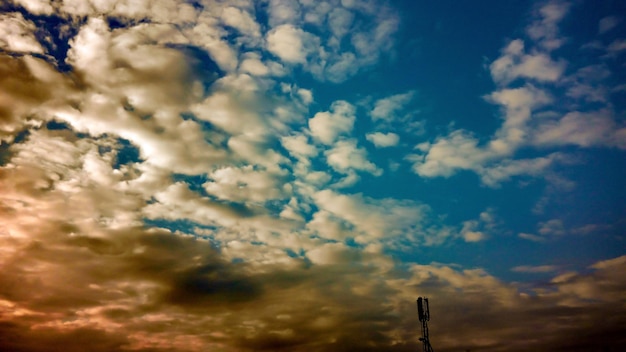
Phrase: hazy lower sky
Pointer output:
(290, 175)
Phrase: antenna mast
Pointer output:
(424, 316)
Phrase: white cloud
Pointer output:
(479, 229)
(374, 218)
(388, 108)
(514, 64)
(38, 7)
(29, 89)
(493, 175)
(242, 21)
(252, 64)
(382, 140)
(340, 21)
(518, 104)
(283, 11)
(445, 156)
(345, 156)
(328, 126)
(291, 44)
(245, 184)
(177, 202)
(18, 34)
(332, 254)
(544, 29)
(585, 129)
(298, 146)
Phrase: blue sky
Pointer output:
(293, 174)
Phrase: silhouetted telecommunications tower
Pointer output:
(424, 315)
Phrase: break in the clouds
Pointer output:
(292, 174)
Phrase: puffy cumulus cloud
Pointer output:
(156, 11)
(291, 44)
(161, 190)
(37, 7)
(585, 129)
(340, 20)
(544, 29)
(143, 289)
(479, 229)
(242, 21)
(334, 49)
(345, 156)
(177, 201)
(327, 126)
(283, 11)
(540, 104)
(494, 174)
(514, 64)
(246, 185)
(29, 88)
(253, 64)
(372, 218)
(458, 151)
(382, 140)
(17, 34)
(326, 39)
(386, 109)
(298, 146)
(155, 290)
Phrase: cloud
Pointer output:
(514, 64)
(340, 20)
(479, 229)
(242, 21)
(162, 188)
(608, 23)
(458, 151)
(245, 185)
(327, 126)
(585, 129)
(616, 46)
(531, 237)
(544, 29)
(534, 269)
(387, 108)
(18, 34)
(29, 87)
(552, 227)
(346, 156)
(283, 11)
(494, 174)
(145, 288)
(530, 84)
(372, 218)
(382, 140)
(298, 146)
(38, 7)
(291, 44)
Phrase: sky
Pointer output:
(291, 175)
